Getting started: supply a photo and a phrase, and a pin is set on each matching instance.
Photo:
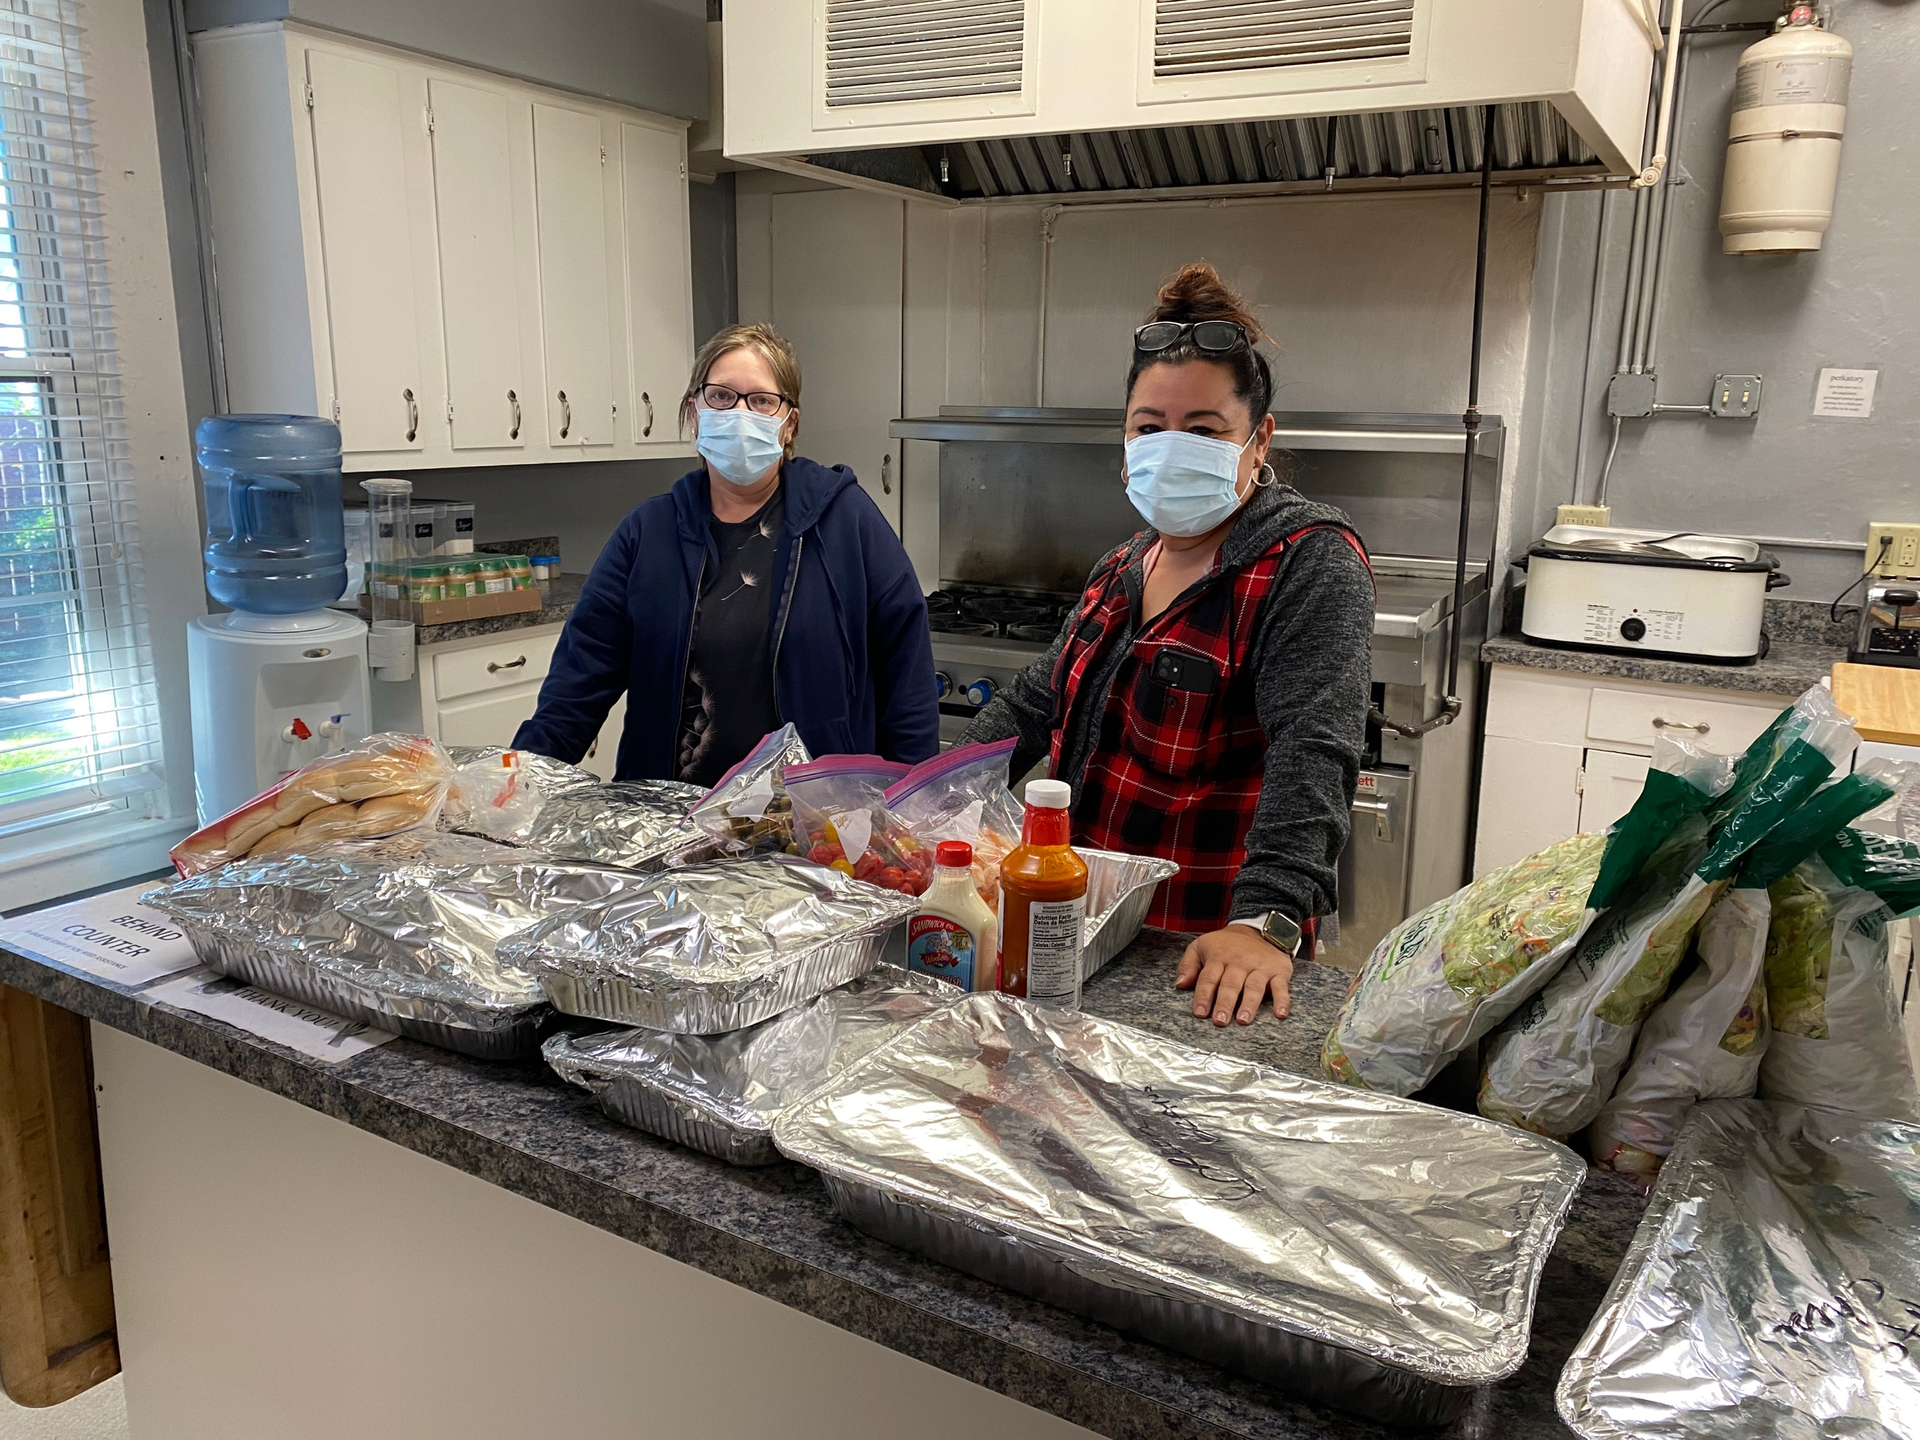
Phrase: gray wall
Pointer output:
(649, 53)
(1855, 303)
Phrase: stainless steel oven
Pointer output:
(1030, 499)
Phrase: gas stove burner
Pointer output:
(1033, 634)
(951, 623)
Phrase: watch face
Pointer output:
(1282, 932)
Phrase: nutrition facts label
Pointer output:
(1054, 929)
(1664, 627)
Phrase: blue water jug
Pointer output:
(276, 539)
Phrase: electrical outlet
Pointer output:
(1735, 397)
(1583, 515)
(1893, 550)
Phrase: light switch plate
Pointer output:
(1735, 397)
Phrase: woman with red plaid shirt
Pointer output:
(1207, 698)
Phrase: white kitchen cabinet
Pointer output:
(570, 180)
(479, 691)
(447, 259)
(1609, 784)
(1567, 753)
(480, 251)
(359, 110)
(653, 193)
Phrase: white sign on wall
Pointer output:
(1845, 394)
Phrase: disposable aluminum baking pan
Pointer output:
(484, 1034)
(633, 824)
(711, 948)
(401, 933)
(1367, 1252)
(1772, 1291)
(720, 1094)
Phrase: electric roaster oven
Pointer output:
(1677, 596)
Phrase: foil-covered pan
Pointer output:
(720, 1094)
(1772, 1291)
(400, 933)
(1120, 890)
(634, 824)
(711, 948)
(1371, 1253)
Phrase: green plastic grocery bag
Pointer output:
(1446, 977)
(1555, 1063)
(1838, 1041)
(1707, 1039)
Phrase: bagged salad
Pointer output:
(1555, 1063)
(841, 820)
(748, 812)
(963, 795)
(1445, 978)
(1708, 1038)
(1838, 1041)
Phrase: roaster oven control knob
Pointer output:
(1633, 628)
(981, 691)
(942, 684)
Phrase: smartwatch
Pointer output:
(1277, 929)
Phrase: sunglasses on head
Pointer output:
(1210, 337)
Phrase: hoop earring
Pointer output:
(1265, 475)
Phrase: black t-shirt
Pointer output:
(729, 704)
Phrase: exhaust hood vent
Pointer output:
(883, 52)
(1212, 37)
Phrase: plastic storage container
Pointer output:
(453, 530)
(276, 539)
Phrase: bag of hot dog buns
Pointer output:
(383, 785)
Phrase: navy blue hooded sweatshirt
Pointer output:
(852, 657)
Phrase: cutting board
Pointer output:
(1884, 701)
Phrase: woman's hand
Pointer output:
(1233, 966)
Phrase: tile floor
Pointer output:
(96, 1414)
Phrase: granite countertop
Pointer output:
(562, 594)
(1806, 644)
(772, 1231)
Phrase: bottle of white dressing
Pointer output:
(952, 936)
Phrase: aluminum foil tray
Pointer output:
(401, 933)
(1371, 1253)
(634, 824)
(484, 1034)
(1772, 1291)
(711, 948)
(721, 1094)
(1120, 891)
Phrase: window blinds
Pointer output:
(79, 723)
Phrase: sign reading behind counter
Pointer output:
(111, 936)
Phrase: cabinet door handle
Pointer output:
(514, 401)
(413, 415)
(1660, 723)
(886, 474)
(647, 429)
(494, 667)
(566, 415)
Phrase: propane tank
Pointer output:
(1783, 147)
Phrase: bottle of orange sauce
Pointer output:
(1043, 903)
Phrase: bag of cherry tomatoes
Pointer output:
(840, 820)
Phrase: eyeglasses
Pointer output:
(1210, 337)
(761, 402)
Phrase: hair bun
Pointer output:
(1197, 292)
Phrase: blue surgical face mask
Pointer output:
(1182, 483)
(740, 445)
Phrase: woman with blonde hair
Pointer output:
(763, 588)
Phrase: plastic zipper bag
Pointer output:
(841, 820)
(964, 795)
(748, 812)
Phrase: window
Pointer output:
(79, 723)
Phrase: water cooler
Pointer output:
(280, 679)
